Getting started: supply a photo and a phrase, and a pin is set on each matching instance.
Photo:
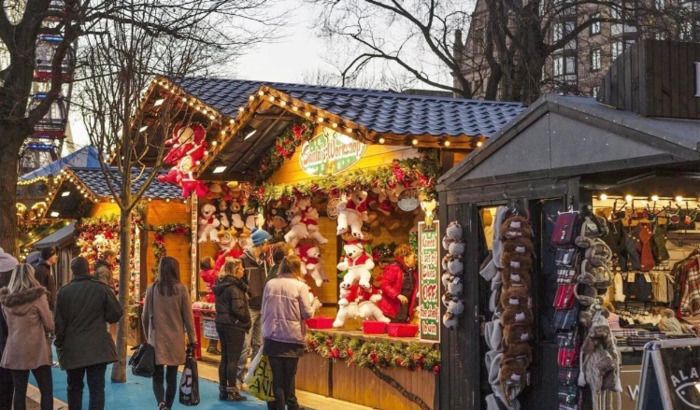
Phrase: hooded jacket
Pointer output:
(232, 303)
(256, 275)
(28, 319)
(83, 308)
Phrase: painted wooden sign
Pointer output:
(429, 281)
(329, 153)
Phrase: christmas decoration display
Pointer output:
(367, 308)
(379, 353)
(352, 213)
(188, 147)
(284, 147)
(96, 235)
(208, 224)
(309, 217)
(453, 267)
(310, 255)
(159, 237)
(209, 276)
(347, 305)
(357, 263)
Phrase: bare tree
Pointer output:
(119, 60)
(511, 40)
(234, 24)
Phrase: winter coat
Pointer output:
(391, 283)
(286, 304)
(43, 274)
(28, 321)
(165, 320)
(232, 303)
(255, 277)
(83, 308)
(4, 281)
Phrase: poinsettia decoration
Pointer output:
(159, 236)
(284, 147)
(374, 353)
(97, 235)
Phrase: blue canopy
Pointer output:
(86, 157)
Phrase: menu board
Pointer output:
(670, 375)
(429, 280)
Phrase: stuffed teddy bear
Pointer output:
(277, 222)
(185, 140)
(347, 305)
(223, 218)
(251, 217)
(453, 265)
(309, 217)
(515, 296)
(236, 215)
(297, 229)
(310, 255)
(352, 212)
(208, 224)
(367, 307)
(358, 265)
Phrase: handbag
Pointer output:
(567, 356)
(143, 361)
(566, 319)
(189, 382)
(564, 298)
(565, 229)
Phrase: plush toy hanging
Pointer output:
(208, 224)
(352, 212)
(453, 267)
(188, 146)
(310, 255)
(357, 263)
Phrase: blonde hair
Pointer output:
(230, 267)
(22, 278)
(291, 265)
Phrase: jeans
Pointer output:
(284, 370)
(232, 340)
(166, 396)
(96, 386)
(6, 389)
(253, 341)
(20, 378)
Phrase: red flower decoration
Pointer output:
(298, 131)
(436, 369)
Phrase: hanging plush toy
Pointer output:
(309, 217)
(236, 215)
(367, 307)
(277, 221)
(209, 276)
(186, 155)
(347, 305)
(208, 224)
(223, 218)
(297, 229)
(358, 265)
(352, 211)
(310, 256)
(185, 140)
(250, 212)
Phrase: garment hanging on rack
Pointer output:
(686, 274)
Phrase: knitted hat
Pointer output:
(79, 266)
(260, 236)
(47, 253)
(7, 261)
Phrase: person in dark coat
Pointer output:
(83, 308)
(7, 265)
(232, 323)
(43, 274)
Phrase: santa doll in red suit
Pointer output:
(399, 285)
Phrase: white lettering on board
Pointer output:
(697, 78)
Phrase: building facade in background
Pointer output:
(578, 67)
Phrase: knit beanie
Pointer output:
(7, 261)
(260, 236)
(79, 266)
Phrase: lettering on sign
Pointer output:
(330, 152)
(428, 281)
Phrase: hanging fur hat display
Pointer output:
(453, 268)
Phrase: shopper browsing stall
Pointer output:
(398, 285)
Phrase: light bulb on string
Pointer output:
(603, 197)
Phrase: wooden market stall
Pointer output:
(627, 167)
(338, 174)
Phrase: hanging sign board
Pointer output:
(429, 281)
(329, 153)
(670, 375)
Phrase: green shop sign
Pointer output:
(330, 152)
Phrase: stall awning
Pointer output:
(560, 136)
(85, 157)
(57, 239)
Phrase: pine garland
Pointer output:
(284, 147)
(159, 250)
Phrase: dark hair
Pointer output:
(291, 265)
(168, 276)
(47, 253)
(279, 251)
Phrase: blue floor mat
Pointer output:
(136, 394)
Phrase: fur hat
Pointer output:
(454, 231)
(456, 248)
(515, 278)
(516, 334)
(520, 353)
(514, 227)
(515, 296)
(516, 262)
(519, 315)
(455, 265)
(522, 246)
(513, 378)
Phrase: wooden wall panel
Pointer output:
(312, 374)
(178, 246)
(105, 210)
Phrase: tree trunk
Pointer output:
(12, 137)
(119, 368)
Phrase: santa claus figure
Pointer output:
(398, 284)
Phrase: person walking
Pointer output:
(7, 265)
(232, 323)
(25, 306)
(167, 315)
(83, 308)
(285, 305)
(44, 273)
(255, 265)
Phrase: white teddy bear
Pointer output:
(310, 255)
(352, 214)
(367, 307)
(347, 306)
(297, 229)
(358, 265)
(310, 219)
(208, 224)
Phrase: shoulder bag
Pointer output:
(143, 360)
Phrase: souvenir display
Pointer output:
(453, 266)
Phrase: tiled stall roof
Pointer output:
(378, 111)
(95, 180)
